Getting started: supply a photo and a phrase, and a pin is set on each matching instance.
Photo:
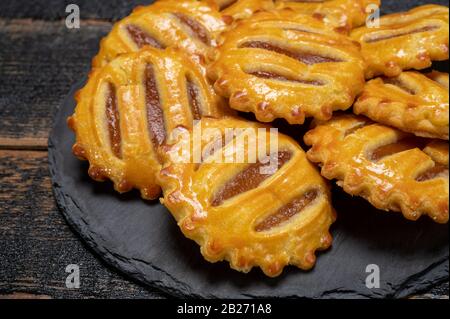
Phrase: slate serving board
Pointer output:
(142, 240)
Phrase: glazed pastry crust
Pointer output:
(343, 146)
(342, 15)
(409, 40)
(167, 23)
(233, 10)
(411, 102)
(439, 77)
(119, 143)
(329, 81)
(228, 231)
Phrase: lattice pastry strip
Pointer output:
(129, 108)
(249, 217)
(342, 15)
(411, 102)
(439, 77)
(409, 40)
(392, 170)
(233, 10)
(188, 24)
(279, 66)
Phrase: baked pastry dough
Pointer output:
(237, 213)
(409, 40)
(279, 65)
(391, 169)
(342, 15)
(233, 10)
(411, 102)
(188, 24)
(129, 108)
(439, 77)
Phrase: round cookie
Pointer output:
(251, 213)
(411, 102)
(188, 24)
(129, 108)
(392, 170)
(279, 65)
(409, 40)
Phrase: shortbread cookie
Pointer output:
(239, 213)
(403, 41)
(129, 108)
(281, 66)
(188, 24)
(391, 169)
(411, 102)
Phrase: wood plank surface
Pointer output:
(55, 9)
(39, 62)
(36, 245)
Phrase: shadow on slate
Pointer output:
(142, 240)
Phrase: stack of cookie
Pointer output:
(176, 69)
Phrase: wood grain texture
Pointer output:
(36, 244)
(21, 295)
(39, 61)
(55, 9)
(24, 143)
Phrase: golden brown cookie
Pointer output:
(409, 40)
(233, 10)
(239, 213)
(411, 102)
(188, 24)
(391, 169)
(281, 66)
(439, 77)
(342, 15)
(129, 108)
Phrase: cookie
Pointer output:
(188, 25)
(394, 171)
(239, 212)
(411, 102)
(233, 10)
(128, 109)
(277, 65)
(403, 41)
(342, 15)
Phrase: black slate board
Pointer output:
(142, 240)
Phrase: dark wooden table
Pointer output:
(39, 60)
